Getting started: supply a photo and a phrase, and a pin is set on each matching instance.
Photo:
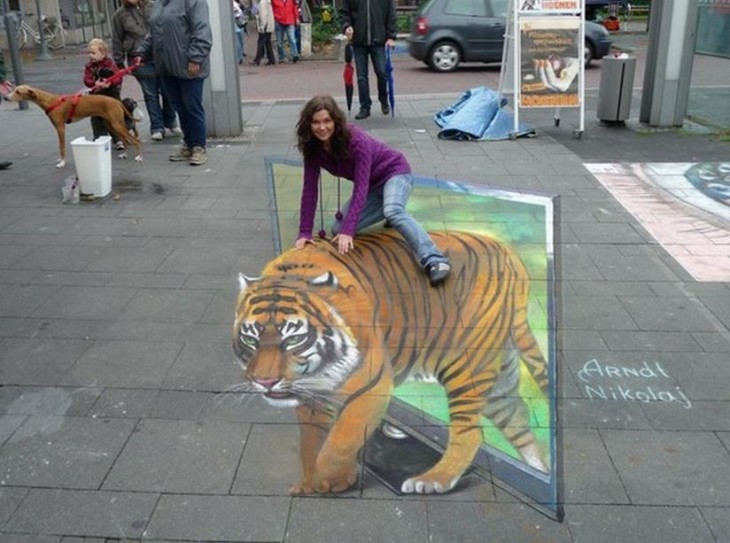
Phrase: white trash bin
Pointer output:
(93, 160)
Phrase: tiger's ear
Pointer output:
(244, 282)
(327, 279)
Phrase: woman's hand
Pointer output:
(302, 242)
(344, 242)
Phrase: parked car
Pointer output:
(445, 33)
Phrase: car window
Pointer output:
(499, 8)
(472, 8)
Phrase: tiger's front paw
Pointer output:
(423, 484)
(301, 488)
(337, 481)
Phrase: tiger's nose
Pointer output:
(268, 384)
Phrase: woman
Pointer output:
(130, 24)
(264, 27)
(382, 179)
(179, 43)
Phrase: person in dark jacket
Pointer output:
(179, 44)
(370, 26)
(130, 25)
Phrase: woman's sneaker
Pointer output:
(175, 131)
(157, 135)
(119, 146)
(198, 156)
(438, 272)
(182, 153)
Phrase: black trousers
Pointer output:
(263, 45)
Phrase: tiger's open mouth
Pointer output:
(278, 395)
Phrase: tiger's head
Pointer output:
(291, 342)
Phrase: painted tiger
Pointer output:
(332, 334)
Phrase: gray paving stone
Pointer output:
(222, 308)
(123, 364)
(21, 301)
(57, 258)
(610, 288)
(204, 366)
(582, 340)
(47, 401)
(38, 361)
(608, 524)
(219, 518)
(700, 375)
(84, 303)
(595, 313)
(10, 254)
(606, 233)
(696, 415)
(24, 538)
(667, 314)
(490, 522)
(126, 259)
(62, 452)
(153, 404)
(660, 468)
(10, 498)
(146, 280)
(310, 520)
(598, 414)
(633, 268)
(83, 513)
(651, 341)
(720, 307)
(167, 305)
(240, 407)
(71, 278)
(217, 259)
(718, 519)
(190, 332)
(713, 341)
(179, 457)
(8, 425)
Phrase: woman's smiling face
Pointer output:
(323, 127)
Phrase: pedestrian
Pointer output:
(382, 183)
(240, 20)
(179, 43)
(264, 27)
(6, 88)
(96, 72)
(370, 26)
(130, 24)
(286, 19)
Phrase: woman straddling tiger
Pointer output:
(382, 179)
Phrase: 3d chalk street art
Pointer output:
(684, 206)
(431, 389)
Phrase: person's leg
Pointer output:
(98, 127)
(363, 85)
(378, 57)
(395, 195)
(239, 45)
(371, 213)
(259, 48)
(292, 39)
(192, 105)
(169, 119)
(149, 86)
(173, 91)
(269, 48)
(279, 30)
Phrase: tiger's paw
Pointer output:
(426, 485)
(335, 482)
(301, 488)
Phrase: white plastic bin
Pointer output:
(93, 160)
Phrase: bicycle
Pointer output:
(54, 33)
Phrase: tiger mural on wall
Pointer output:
(332, 335)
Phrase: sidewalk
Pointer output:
(116, 367)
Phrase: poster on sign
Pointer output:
(550, 62)
(549, 5)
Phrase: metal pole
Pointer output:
(11, 29)
(43, 53)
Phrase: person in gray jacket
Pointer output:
(179, 43)
(130, 25)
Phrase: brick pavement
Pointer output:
(115, 359)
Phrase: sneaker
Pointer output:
(363, 113)
(175, 131)
(119, 146)
(438, 272)
(183, 152)
(157, 135)
(385, 108)
(198, 156)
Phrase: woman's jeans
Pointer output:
(388, 201)
(186, 96)
(161, 117)
(377, 54)
(239, 44)
(281, 30)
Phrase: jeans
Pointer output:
(290, 37)
(186, 96)
(239, 44)
(377, 54)
(161, 117)
(388, 201)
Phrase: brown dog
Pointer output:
(69, 108)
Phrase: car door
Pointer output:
(468, 19)
(494, 31)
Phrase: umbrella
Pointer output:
(391, 84)
(348, 76)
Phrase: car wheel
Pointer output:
(588, 54)
(444, 56)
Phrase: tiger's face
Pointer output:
(291, 343)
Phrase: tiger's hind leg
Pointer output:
(510, 413)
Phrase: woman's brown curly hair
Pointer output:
(308, 144)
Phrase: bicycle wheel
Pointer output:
(22, 37)
(55, 36)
